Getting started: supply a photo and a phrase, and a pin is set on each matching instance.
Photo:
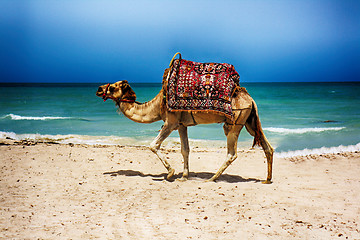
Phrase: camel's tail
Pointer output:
(254, 122)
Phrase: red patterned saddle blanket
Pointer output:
(194, 86)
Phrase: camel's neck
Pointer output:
(148, 112)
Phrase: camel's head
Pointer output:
(119, 92)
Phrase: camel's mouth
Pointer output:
(105, 98)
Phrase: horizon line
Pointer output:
(347, 81)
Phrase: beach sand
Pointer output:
(58, 191)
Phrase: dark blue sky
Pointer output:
(106, 41)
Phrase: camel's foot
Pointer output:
(183, 179)
(213, 179)
(266, 182)
(170, 174)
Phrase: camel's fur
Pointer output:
(245, 113)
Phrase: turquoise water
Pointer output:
(295, 116)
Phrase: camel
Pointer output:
(244, 110)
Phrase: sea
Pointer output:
(297, 118)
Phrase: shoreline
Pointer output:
(171, 142)
(79, 191)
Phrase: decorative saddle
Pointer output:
(193, 86)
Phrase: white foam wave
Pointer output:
(18, 117)
(11, 135)
(171, 142)
(323, 150)
(302, 130)
(66, 139)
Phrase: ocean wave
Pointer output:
(43, 118)
(302, 130)
(323, 150)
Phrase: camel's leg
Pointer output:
(268, 150)
(155, 146)
(184, 150)
(232, 133)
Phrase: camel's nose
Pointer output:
(100, 91)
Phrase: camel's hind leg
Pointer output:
(253, 126)
(269, 152)
(232, 134)
(155, 146)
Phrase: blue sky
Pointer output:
(106, 41)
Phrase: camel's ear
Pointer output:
(128, 93)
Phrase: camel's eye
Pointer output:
(112, 89)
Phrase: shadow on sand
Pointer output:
(193, 176)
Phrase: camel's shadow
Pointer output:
(193, 176)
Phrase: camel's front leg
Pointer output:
(232, 134)
(155, 146)
(184, 151)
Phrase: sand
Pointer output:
(58, 191)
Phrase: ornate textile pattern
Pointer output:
(194, 86)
